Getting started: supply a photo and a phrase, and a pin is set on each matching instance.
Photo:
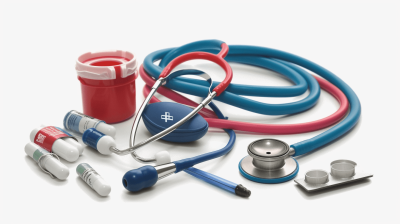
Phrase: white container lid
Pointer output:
(105, 65)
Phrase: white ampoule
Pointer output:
(93, 179)
(48, 162)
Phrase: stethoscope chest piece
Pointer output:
(269, 161)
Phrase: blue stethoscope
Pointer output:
(263, 154)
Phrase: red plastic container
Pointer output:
(108, 84)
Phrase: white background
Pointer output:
(357, 40)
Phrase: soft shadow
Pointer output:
(161, 187)
(104, 159)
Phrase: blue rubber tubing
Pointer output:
(287, 64)
(189, 162)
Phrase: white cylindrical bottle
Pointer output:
(93, 179)
(48, 162)
(71, 141)
(60, 147)
(79, 123)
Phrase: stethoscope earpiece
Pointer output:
(269, 161)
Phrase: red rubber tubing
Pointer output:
(205, 56)
(224, 50)
(281, 129)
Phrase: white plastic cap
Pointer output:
(163, 157)
(101, 186)
(65, 150)
(86, 70)
(30, 148)
(75, 143)
(55, 167)
(33, 133)
(106, 129)
(104, 144)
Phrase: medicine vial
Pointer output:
(79, 123)
(46, 161)
(93, 179)
(98, 140)
(53, 140)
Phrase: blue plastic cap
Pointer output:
(137, 179)
(91, 136)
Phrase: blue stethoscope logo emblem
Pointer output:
(167, 117)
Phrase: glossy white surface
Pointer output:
(101, 186)
(104, 144)
(65, 150)
(49, 163)
(162, 157)
(34, 132)
(106, 129)
(55, 167)
(30, 148)
(357, 40)
(76, 144)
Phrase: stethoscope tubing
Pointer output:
(189, 162)
(218, 59)
(166, 76)
(200, 88)
(280, 129)
(241, 52)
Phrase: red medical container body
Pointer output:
(108, 85)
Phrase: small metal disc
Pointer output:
(268, 148)
(289, 168)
